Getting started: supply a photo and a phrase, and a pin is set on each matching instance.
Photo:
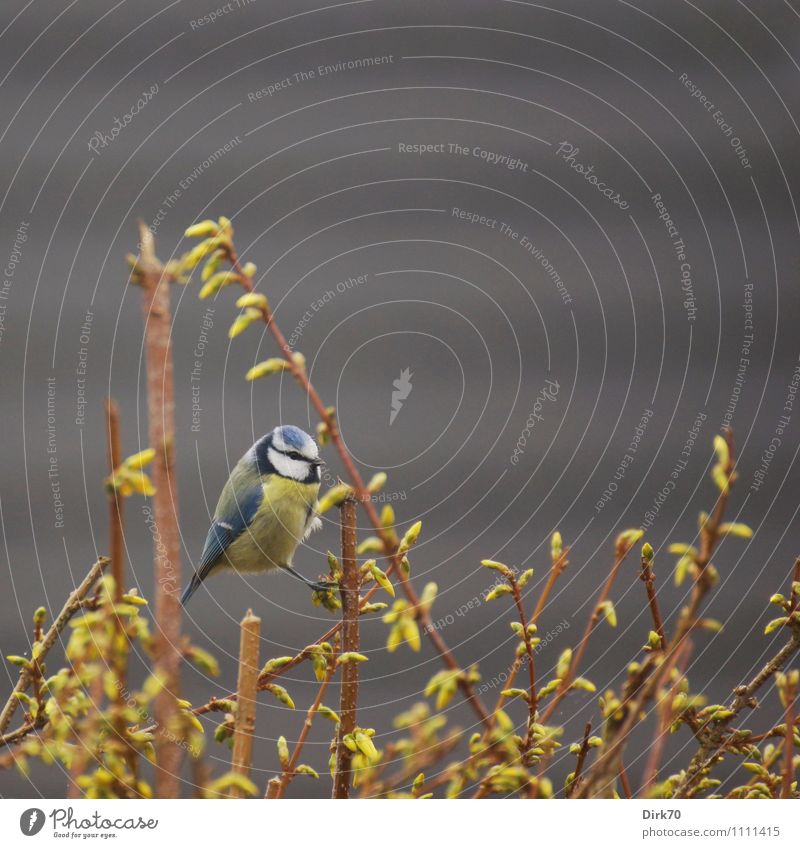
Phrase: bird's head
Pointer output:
(289, 452)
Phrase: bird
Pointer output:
(266, 508)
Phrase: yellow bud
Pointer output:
(202, 230)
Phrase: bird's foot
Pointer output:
(314, 585)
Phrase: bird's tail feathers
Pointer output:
(193, 586)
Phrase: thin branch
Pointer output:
(115, 499)
(246, 702)
(532, 700)
(653, 765)
(622, 549)
(560, 562)
(73, 605)
(349, 589)
(790, 693)
(643, 687)
(648, 576)
(289, 773)
(624, 782)
(149, 274)
(582, 754)
(714, 737)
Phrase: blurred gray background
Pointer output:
(574, 289)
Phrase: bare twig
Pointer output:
(149, 273)
(532, 699)
(624, 782)
(73, 605)
(582, 754)
(350, 586)
(560, 562)
(648, 576)
(622, 549)
(643, 687)
(714, 736)
(664, 721)
(246, 702)
(115, 499)
(790, 694)
(288, 773)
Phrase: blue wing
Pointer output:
(235, 512)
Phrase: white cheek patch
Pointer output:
(296, 469)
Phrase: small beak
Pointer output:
(317, 462)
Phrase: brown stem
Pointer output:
(664, 720)
(649, 578)
(606, 767)
(624, 782)
(788, 744)
(556, 569)
(289, 772)
(73, 604)
(582, 754)
(216, 704)
(149, 273)
(115, 500)
(532, 700)
(116, 548)
(349, 589)
(246, 701)
(621, 552)
(713, 738)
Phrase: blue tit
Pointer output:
(265, 510)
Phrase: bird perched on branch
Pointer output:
(265, 510)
